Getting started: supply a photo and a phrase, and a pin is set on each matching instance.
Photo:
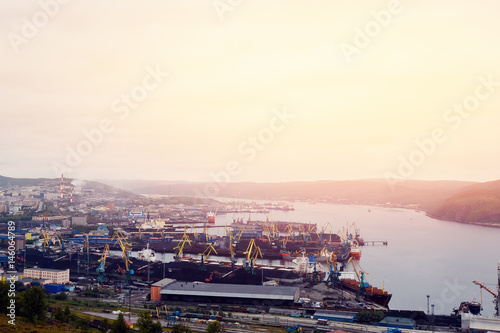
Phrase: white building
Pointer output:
(55, 275)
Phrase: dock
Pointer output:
(378, 242)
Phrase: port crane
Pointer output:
(206, 254)
(331, 261)
(124, 245)
(321, 234)
(140, 233)
(252, 252)
(45, 239)
(360, 274)
(232, 244)
(182, 243)
(495, 295)
(289, 228)
(102, 263)
(195, 234)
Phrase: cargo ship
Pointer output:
(372, 294)
(355, 251)
(147, 254)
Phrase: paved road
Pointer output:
(284, 321)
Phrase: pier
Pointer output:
(376, 242)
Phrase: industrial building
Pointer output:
(229, 293)
(157, 287)
(55, 275)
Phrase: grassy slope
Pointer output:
(22, 325)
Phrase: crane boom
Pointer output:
(482, 285)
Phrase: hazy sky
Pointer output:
(269, 90)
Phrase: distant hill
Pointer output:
(425, 194)
(478, 203)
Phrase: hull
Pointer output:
(356, 253)
(373, 294)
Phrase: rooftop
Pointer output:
(230, 290)
(47, 269)
(163, 283)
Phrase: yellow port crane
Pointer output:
(331, 261)
(102, 265)
(182, 243)
(124, 245)
(355, 265)
(206, 254)
(289, 228)
(45, 239)
(252, 252)
(195, 234)
(229, 234)
(119, 236)
(249, 249)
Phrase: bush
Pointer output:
(368, 317)
(61, 296)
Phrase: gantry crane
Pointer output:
(173, 317)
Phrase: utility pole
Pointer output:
(129, 302)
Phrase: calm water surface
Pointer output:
(424, 256)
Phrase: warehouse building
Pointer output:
(229, 293)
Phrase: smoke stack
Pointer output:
(71, 194)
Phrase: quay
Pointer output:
(376, 243)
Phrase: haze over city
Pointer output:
(268, 91)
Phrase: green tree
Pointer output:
(368, 317)
(214, 327)
(59, 315)
(4, 299)
(145, 324)
(61, 296)
(104, 325)
(33, 304)
(120, 326)
(178, 328)
(67, 313)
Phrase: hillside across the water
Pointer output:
(478, 204)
